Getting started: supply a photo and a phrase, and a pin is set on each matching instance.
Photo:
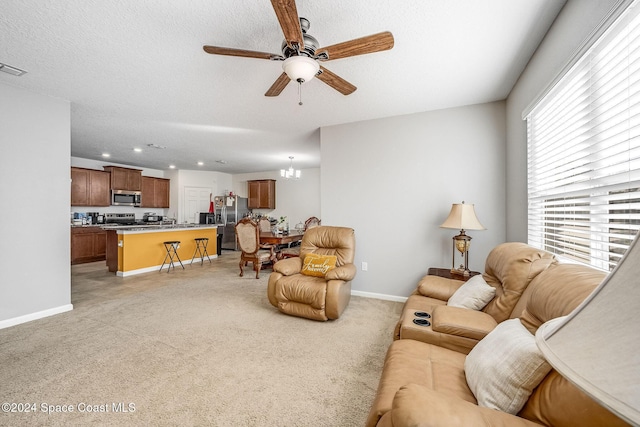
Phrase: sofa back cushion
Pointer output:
(557, 291)
(510, 268)
(554, 293)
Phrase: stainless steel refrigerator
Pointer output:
(232, 209)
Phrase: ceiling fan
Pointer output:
(301, 53)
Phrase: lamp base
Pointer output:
(461, 271)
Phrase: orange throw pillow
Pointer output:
(318, 265)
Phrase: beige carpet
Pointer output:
(199, 346)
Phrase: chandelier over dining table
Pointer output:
(290, 173)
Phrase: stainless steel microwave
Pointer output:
(125, 198)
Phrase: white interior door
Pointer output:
(196, 200)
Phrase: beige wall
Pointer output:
(34, 219)
(394, 179)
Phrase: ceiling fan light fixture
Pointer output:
(300, 68)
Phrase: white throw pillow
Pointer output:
(474, 294)
(504, 367)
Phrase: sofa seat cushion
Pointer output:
(415, 405)
(409, 361)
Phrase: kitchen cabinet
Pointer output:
(88, 244)
(262, 194)
(125, 178)
(90, 187)
(155, 192)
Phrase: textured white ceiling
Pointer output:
(136, 74)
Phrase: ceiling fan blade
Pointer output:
(336, 82)
(277, 86)
(217, 50)
(369, 44)
(287, 14)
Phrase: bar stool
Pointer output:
(201, 248)
(172, 254)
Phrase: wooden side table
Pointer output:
(446, 272)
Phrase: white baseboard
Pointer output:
(35, 316)
(378, 296)
(157, 267)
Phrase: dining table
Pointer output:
(270, 238)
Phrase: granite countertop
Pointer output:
(146, 227)
(158, 227)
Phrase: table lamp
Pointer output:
(462, 217)
(596, 346)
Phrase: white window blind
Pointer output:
(584, 152)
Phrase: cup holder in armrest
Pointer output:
(422, 322)
(422, 314)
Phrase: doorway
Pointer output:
(196, 200)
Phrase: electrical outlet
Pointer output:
(365, 266)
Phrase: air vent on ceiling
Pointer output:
(11, 70)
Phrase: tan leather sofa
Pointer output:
(509, 268)
(425, 384)
(317, 298)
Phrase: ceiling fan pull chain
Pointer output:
(299, 93)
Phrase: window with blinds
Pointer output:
(584, 152)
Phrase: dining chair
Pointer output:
(265, 225)
(248, 238)
(294, 251)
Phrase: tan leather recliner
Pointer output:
(509, 268)
(317, 298)
(425, 384)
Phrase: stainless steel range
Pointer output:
(120, 218)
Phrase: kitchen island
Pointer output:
(139, 249)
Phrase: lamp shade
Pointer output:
(462, 217)
(596, 346)
(300, 68)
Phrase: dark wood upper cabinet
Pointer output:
(100, 188)
(262, 194)
(90, 187)
(79, 187)
(155, 192)
(125, 178)
(162, 190)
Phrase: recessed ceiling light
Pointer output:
(200, 163)
(106, 155)
(137, 150)
(172, 166)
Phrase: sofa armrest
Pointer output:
(415, 405)
(438, 287)
(345, 272)
(288, 266)
(462, 322)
